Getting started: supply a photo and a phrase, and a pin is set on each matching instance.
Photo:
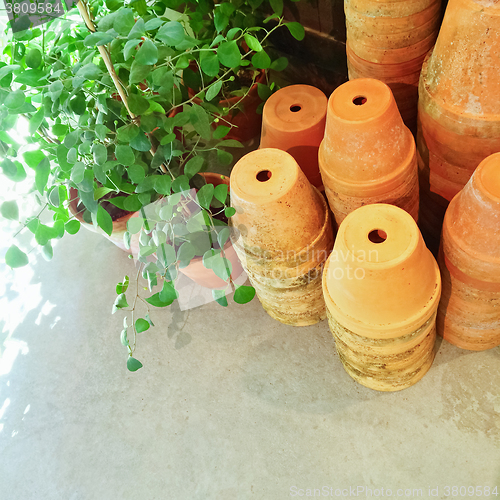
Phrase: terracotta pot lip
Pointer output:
(373, 186)
(278, 113)
(487, 177)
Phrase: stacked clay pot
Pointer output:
(294, 120)
(282, 234)
(469, 258)
(388, 41)
(382, 287)
(368, 155)
(459, 108)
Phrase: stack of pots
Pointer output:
(388, 41)
(459, 106)
(382, 287)
(282, 234)
(294, 120)
(367, 155)
(469, 258)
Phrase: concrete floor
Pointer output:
(230, 404)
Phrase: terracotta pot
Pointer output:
(459, 119)
(294, 120)
(196, 270)
(282, 234)
(469, 312)
(119, 225)
(382, 288)
(368, 155)
(388, 41)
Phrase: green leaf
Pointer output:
(71, 139)
(220, 192)
(125, 155)
(193, 166)
(229, 212)
(163, 184)
(35, 121)
(171, 33)
(261, 60)
(55, 90)
(230, 143)
(229, 54)
(14, 99)
(141, 325)
(147, 54)
(153, 24)
(98, 38)
(101, 131)
(139, 72)
(224, 157)
(102, 191)
(220, 20)
(168, 292)
(213, 90)
(15, 257)
(123, 337)
(120, 303)
(123, 286)
(129, 49)
(133, 364)
(244, 294)
(127, 132)
(72, 226)
(185, 254)
(134, 224)
(78, 172)
(205, 195)
(167, 139)
(7, 70)
(138, 29)
(221, 131)
(253, 43)
(163, 77)
(279, 64)
(72, 156)
(10, 210)
(264, 91)
(222, 267)
(210, 64)
(78, 104)
(104, 220)
(296, 30)
(124, 22)
(155, 300)
(220, 297)
(32, 77)
(13, 170)
(232, 33)
(89, 71)
(59, 129)
(200, 121)
(277, 6)
(33, 58)
(223, 236)
(140, 142)
(100, 153)
(138, 105)
(136, 173)
(148, 319)
(166, 254)
(47, 251)
(42, 175)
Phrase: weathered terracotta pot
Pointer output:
(469, 258)
(459, 109)
(368, 155)
(195, 270)
(382, 287)
(294, 120)
(282, 234)
(388, 41)
(119, 225)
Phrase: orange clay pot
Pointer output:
(469, 258)
(119, 225)
(195, 270)
(294, 120)
(388, 41)
(282, 234)
(459, 110)
(382, 287)
(368, 154)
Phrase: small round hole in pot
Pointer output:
(377, 236)
(264, 175)
(295, 108)
(359, 100)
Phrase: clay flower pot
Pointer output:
(294, 120)
(469, 312)
(388, 41)
(119, 225)
(459, 109)
(282, 234)
(382, 288)
(368, 154)
(195, 270)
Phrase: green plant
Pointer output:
(129, 114)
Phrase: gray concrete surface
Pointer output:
(230, 404)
